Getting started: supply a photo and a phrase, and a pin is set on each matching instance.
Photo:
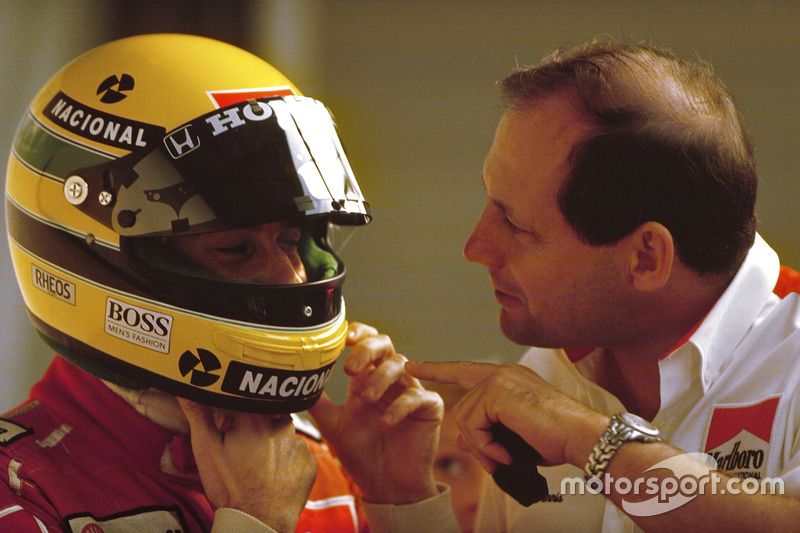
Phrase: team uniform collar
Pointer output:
(91, 409)
(735, 312)
(695, 362)
(88, 406)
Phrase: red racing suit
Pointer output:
(76, 457)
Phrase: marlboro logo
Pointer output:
(739, 436)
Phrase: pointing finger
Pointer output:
(466, 374)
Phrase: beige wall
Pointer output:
(37, 37)
(412, 86)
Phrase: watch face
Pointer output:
(640, 424)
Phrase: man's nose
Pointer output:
(273, 269)
(482, 246)
(270, 264)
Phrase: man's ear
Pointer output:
(651, 256)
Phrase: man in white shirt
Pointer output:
(620, 219)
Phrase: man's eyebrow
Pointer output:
(497, 203)
(505, 208)
(509, 211)
(511, 215)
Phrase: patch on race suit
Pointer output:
(739, 435)
(339, 510)
(160, 519)
(11, 431)
(17, 518)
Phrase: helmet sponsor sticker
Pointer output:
(53, 285)
(199, 368)
(181, 142)
(185, 140)
(228, 97)
(269, 383)
(11, 431)
(114, 88)
(149, 329)
(99, 126)
(234, 117)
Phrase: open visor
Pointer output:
(243, 165)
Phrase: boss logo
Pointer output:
(136, 325)
(53, 285)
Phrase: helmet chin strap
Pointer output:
(155, 405)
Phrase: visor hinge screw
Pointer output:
(76, 190)
(307, 310)
(255, 108)
(105, 198)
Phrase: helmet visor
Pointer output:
(248, 164)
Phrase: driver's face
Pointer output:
(266, 254)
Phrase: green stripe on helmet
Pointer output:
(45, 152)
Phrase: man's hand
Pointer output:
(251, 462)
(387, 432)
(562, 430)
(558, 427)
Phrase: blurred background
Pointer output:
(412, 85)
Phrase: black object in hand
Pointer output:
(521, 480)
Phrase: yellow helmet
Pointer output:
(156, 136)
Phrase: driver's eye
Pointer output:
(239, 249)
(289, 244)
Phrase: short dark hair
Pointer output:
(666, 144)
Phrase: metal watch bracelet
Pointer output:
(616, 434)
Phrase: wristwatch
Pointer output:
(624, 427)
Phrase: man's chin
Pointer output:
(517, 330)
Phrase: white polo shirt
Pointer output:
(729, 391)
